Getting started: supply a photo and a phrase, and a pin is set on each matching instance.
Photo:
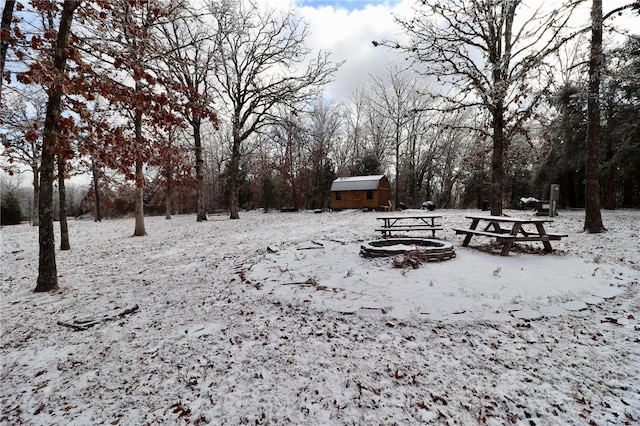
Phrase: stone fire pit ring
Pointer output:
(427, 248)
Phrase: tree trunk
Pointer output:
(201, 210)
(140, 183)
(139, 201)
(167, 204)
(593, 217)
(397, 197)
(47, 271)
(497, 160)
(7, 16)
(96, 191)
(234, 177)
(35, 219)
(62, 191)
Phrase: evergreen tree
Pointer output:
(369, 165)
(268, 193)
(10, 213)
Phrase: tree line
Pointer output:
(176, 108)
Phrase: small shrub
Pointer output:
(10, 213)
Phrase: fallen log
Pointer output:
(86, 323)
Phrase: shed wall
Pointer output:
(354, 196)
(358, 199)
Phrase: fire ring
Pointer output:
(428, 249)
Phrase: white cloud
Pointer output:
(348, 35)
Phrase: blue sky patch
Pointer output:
(345, 4)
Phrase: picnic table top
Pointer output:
(511, 219)
(412, 216)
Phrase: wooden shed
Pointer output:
(360, 192)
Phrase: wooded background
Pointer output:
(178, 109)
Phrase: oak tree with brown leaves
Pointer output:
(47, 270)
(123, 40)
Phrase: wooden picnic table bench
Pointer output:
(409, 223)
(517, 229)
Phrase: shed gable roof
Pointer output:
(356, 183)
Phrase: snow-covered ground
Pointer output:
(276, 319)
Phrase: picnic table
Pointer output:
(409, 223)
(507, 230)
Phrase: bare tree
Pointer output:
(487, 54)
(348, 150)
(425, 143)
(288, 139)
(324, 131)
(190, 61)
(456, 138)
(377, 127)
(394, 99)
(261, 64)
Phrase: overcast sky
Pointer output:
(347, 27)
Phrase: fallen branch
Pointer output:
(86, 323)
(310, 282)
(366, 308)
(317, 246)
(338, 241)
